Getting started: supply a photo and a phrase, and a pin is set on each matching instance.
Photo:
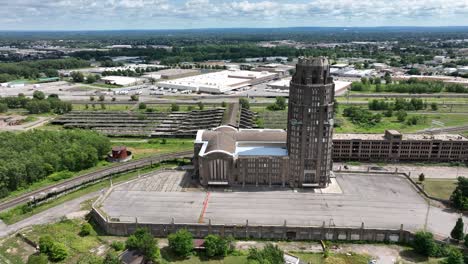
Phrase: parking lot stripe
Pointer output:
(205, 205)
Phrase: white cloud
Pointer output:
(232, 13)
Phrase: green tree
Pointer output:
(465, 241)
(91, 79)
(454, 257)
(141, 106)
(244, 102)
(401, 115)
(422, 177)
(38, 95)
(101, 98)
(434, 106)
(201, 106)
(58, 252)
(270, 254)
(459, 197)
(457, 231)
(145, 243)
(118, 245)
(181, 242)
(175, 107)
(86, 229)
(424, 243)
(134, 97)
(77, 76)
(216, 246)
(45, 244)
(111, 258)
(3, 108)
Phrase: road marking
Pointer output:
(205, 205)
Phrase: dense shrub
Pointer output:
(216, 246)
(86, 229)
(361, 116)
(181, 242)
(279, 104)
(45, 244)
(144, 242)
(244, 102)
(58, 252)
(118, 245)
(3, 107)
(424, 244)
(38, 259)
(270, 254)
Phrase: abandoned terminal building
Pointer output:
(302, 156)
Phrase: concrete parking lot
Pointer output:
(378, 201)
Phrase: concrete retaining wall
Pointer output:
(247, 231)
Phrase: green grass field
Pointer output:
(347, 126)
(440, 188)
(278, 119)
(155, 146)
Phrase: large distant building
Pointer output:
(219, 82)
(299, 158)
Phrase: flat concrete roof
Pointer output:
(444, 137)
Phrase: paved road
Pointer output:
(436, 172)
(51, 215)
(92, 176)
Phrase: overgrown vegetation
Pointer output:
(38, 104)
(361, 116)
(33, 155)
(459, 197)
(36, 69)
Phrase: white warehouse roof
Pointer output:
(218, 82)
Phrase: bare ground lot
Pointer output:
(378, 201)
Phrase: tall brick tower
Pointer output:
(310, 123)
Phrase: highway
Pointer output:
(93, 176)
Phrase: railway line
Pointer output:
(90, 177)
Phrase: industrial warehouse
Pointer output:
(219, 82)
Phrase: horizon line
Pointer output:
(221, 28)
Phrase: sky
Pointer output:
(188, 14)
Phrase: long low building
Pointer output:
(219, 82)
(394, 146)
(283, 84)
(230, 156)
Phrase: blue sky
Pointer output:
(175, 14)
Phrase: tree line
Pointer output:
(37, 105)
(36, 69)
(361, 116)
(34, 155)
(414, 104)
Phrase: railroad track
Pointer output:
(91, 177)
